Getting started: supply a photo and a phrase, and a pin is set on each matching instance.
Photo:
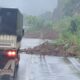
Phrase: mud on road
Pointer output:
(51, 49)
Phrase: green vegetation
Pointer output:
(66, 20)
(67, 23)
(37, 23)
(69, 29)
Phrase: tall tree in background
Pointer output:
(73, 31)
(73, 27)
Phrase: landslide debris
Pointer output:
(52, 49)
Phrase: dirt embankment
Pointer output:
(51, 49)
(45, 34)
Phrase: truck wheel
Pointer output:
(11, 78)
(6, 77)
(17, 66)
(15, 74)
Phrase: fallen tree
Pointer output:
(52, 49)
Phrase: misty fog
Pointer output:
(30, 7)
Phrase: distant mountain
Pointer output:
(66, 8)
(47, 15)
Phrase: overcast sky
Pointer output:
(30, 7)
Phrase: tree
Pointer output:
(73, 27)
(37, 23)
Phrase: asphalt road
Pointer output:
(35, 67)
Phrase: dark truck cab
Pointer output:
(11, 33)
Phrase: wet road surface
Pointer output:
(35, 67)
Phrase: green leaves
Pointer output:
(38, 23)
(73, 27)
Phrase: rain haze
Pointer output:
(30, 7)
(40, 41)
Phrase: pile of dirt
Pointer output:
(52, 49)
(44, 34)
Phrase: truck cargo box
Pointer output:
(11, 22)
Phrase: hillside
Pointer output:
(66, 8)
(66, 18)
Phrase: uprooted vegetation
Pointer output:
(54, 50)
(66, 22)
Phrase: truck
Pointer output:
(11, 33)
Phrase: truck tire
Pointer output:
(6, 77)
(17, 66)
(11, 78)
(15, 75)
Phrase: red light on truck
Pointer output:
(11, 53)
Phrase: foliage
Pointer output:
(69, 29)
(63, 24)
(73, 27)
(37, 23)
